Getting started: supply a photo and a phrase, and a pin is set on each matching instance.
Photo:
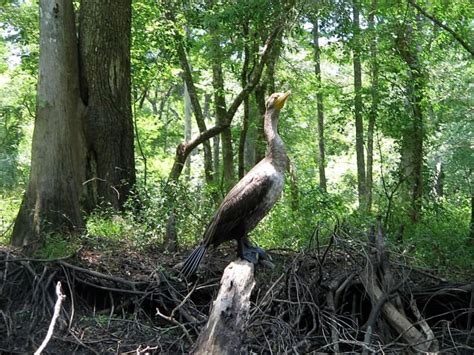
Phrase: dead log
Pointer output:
(379, 282)
(224, 331)
(392, 314)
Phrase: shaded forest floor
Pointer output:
(347, 296)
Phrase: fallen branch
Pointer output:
(57, 309)
(432, 343)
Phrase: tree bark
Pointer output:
(471, 230)
(438, 183)
(375, 99)
(225, 329)
(260, 137)
(221, 111)
(320, 106)
(250, 139)
(187, 128)
(246, 116)
(51, 201)
(359, 125)
(412, 135)
(266, 87)
(105, 33)
(188, 78)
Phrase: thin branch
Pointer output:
(139, 145)
(437, 22)
(57, 309)
(175, 322)
(184, 149)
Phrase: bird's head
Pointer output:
(277, 100)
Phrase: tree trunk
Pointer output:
(187, 129)
(438, 184)
(260, 137)
(267, 86)
(221, 112)
(216, 153)
(246, 116)
(188, 79)
(225, 329)
(359, 125)
(51, 202)
(412, 135)
(471, 231)
(374, 106)
(105, 33)
(320, 106)
(250, 140)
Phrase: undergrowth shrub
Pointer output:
(9, 204)
(441, 239)
(294, 228)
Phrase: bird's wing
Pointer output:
(240, 205)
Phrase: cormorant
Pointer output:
(251, 198)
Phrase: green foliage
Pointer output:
(58, 246)
(192, 208)
(106, 223)
(9, 205)
(19, 26)
(287, 227)
(441, 240)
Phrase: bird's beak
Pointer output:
(280, 102)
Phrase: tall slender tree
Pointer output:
(374, 79)
(359, 123)
(195, 104)
(320, 106)
(221, 109)
(187, 127)
(246, 114)
(413, 133)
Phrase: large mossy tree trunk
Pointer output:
(83, 132)
(51, 201)
(105, 34)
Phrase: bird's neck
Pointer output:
(275, 146)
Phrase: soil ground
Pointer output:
(119, 300)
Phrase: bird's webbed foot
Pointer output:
(254, 255)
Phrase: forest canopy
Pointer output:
(379, 124)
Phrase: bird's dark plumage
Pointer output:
(251, 198)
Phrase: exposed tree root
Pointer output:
(348, 298)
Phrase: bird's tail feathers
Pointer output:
(192, 262)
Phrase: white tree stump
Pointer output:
(224, 331)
